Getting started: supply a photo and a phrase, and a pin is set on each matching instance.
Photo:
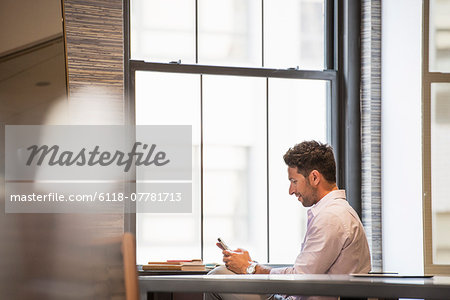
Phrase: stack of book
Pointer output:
(182, 265)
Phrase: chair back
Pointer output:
(129, 265)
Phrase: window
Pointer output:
(249, 77)
(436, 135)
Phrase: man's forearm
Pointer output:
(261, 269)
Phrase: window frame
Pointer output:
(428, 78)
(341, 71)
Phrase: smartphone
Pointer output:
(222, 246)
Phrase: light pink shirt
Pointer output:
(335, 241)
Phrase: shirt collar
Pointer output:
(336, 194)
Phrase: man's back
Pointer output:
(335, 241)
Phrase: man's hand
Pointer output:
(237, 260)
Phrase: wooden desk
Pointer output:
(320, 285)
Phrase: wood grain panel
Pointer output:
(94, 49)
(94, 39)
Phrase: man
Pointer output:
(335, 241)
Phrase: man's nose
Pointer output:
(291, 190)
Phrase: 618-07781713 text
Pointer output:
(141, 197)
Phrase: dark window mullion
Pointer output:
(329, 35)
(233, 71)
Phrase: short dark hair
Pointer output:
(312, 155)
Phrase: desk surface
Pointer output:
(320, 285)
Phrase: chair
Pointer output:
(129, 266)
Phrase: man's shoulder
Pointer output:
(335, 206)
(338, 211)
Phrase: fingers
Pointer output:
(220, 246)
(226, 260)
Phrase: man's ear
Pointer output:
(314, 177)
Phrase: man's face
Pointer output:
(301, 188)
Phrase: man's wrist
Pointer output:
(262, 269)
(251, 268)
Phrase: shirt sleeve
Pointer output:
(280, 270)
(323, 244)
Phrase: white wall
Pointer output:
(401, 136)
